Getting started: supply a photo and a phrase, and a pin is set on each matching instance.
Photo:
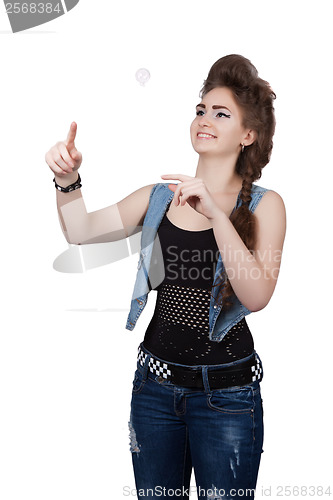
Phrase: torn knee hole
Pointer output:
(134, 446)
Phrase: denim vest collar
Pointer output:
(220, 322)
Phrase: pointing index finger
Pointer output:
(71, 134)
(180, 177)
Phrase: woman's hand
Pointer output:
(64, 158)
(193, 191)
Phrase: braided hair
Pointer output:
(255, 98)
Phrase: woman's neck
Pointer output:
(219, 175)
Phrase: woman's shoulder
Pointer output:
(260, 189)
(267, 200)
(268, 192)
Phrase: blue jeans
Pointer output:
(217, 432)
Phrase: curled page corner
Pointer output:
(29, 14)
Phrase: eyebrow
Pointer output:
(215, 106)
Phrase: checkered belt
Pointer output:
(242, 373)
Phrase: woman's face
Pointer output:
(217, 129)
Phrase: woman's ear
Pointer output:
(250, 137)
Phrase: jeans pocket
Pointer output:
(138, 382)
(238, 400)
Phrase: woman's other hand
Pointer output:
(193, 191)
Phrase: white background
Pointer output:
(65, 372)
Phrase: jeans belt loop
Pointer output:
(146, 367)
(205, 378)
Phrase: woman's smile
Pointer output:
(203, 135)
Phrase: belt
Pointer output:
(244, 372)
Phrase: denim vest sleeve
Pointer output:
(160, 197)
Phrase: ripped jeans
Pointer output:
(218, 433)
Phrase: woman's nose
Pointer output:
(204, 120)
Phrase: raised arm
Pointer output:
(111, 223)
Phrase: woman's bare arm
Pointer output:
(253, 277)
(111, 223)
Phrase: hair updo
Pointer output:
(255, 98)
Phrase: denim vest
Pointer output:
(219, 322)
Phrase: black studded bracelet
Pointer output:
(76, 185)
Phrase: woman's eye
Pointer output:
(220, 114)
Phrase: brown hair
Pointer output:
(255, 98)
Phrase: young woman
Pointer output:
(211, 246)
